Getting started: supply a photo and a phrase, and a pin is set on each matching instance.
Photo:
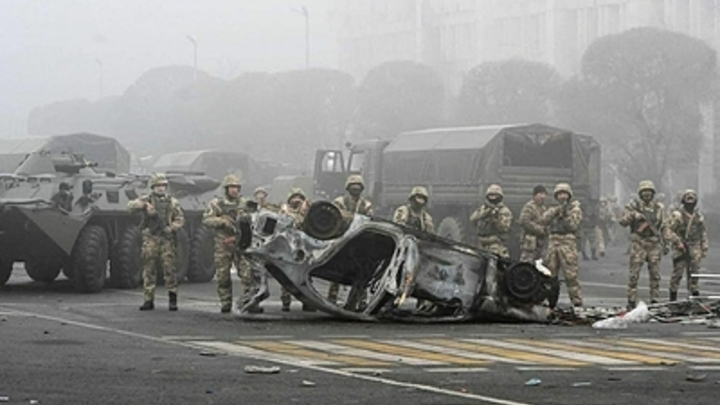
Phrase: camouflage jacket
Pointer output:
(606, 216)
(563, 220)
(355, 205)
(422, 221)
(642, 218)
(492, 220)
(530, 217)
(166, 207)
(689, 228)
(222, 212)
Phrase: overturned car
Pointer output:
(388, 268)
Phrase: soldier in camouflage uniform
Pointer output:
(221, 215)
(563, 221)
(162, 217)
(606, 219)
(691, 246)
(354, 202)
(493, 220)
(534, 235)
(414, 213)
(297, 206)
(648, 232)
(588, 234)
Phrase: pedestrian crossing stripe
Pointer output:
(448, 353)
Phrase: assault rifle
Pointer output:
(646, 224)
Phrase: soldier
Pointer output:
(617, 213)
(221, 215)
(162, 217)
(414, 214)
(354, 202)
(563, 221)
(64, 197)
(297, 206)
(588, 235)
(648, 234)
(606, 219)
(534, 235)
(261, 195)
(691, 246)
(493, 220)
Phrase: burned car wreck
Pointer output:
(389, 267)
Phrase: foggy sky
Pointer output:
(51, 50)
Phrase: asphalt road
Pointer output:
(61, 347)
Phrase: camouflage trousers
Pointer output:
(687, 266)
(532, 248)
(496, 247)
(158, 251)
(644, 250)
(562, 255)
(225, 257)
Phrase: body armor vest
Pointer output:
(560, 226)
(162, 208)
(652, 215)
(694, 234)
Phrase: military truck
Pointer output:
(458, 164)
(58, 212)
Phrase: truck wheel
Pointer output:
(126, 262)
(451, 228)
(6, 268)
(202, 256)
(183, 254)
(43, 270)
(90, 258)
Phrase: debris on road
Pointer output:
(206, 353)
(582, 384)
(306, 383)
(533, 382)
(638, 315)
(262, 370)
(4, 399)
(696, 377)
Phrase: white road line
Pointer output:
(705, 368)
(638, 368)
(679, 344)
(539, 368)
(189, 337)
(454, 352)
(586, 358)
(345, 336)
(715, 335)
(367, 370)
(290, 362)
(368, 354)
(643, 352)
(420, 335)
(251, 351)
(265, 337)
(456, 370)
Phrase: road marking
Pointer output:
(227, 347)
(638, 368)
(647, 347)
(345, 336)
(188, 337)
(505, 355)
(290, 362)
(294, 350)
(456, 370)
(441, 359)
(339, 349)
(482, 359)
(678, 344)
(563, 352)
(539, 368)
(705, 368)
(569, 345)
(267, 337)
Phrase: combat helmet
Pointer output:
(296, 192)
(494, 189)
(231, 180)
(158, 179)
(689, 192)
(419, 191)
(562, 187)
(646, 185)
(354, 179)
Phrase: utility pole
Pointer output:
(303, 11)
(194, 44)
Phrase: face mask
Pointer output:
(494, 199)
(646, 196)
(416, 204)
(355, 191)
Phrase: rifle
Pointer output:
(647, 224)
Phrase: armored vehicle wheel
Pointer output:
(202, 256)
(89, 259)
(451, 228)
(43, 270)
(126, 261)
(6, 268)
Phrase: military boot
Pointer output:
(147, 306)
(594, 256)
(172, 305)
(673, 296)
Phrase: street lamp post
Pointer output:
(194, 44)
(305, 13)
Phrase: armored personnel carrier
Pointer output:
(59, 213)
